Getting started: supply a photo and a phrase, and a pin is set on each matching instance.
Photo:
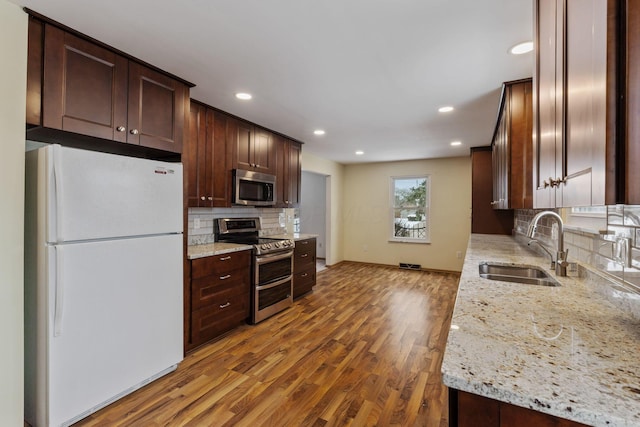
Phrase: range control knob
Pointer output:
(264, 246)
(277, 244)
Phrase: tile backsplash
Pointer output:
(200, 226)
(601, 249)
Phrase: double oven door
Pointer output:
(273, 289)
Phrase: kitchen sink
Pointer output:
(526, 274)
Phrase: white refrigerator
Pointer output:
(103, 279)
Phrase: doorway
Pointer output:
(313, 210)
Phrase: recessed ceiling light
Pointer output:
(456, 143)
(519, 49)
(359, 153)
(318, 132)
(445, 109)
(244, 96)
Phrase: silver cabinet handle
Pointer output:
(304, 275)
(304, 255)
(209, 198)
(304, 242)
(134, 131)
(225, 258)
(202, 198)
(120, 128)
(225, 305)
(225, 277)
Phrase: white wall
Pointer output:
(335, 182)
(366, 213)
(13, 72)
(313, 208)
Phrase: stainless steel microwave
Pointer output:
(253, 188)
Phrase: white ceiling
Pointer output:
(372, 73)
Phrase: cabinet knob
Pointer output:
(209, 198)
(120, 128)
(202, 197)
(134, 131)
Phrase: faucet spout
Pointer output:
(561, 255)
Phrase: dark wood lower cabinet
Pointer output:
(219, 295)
(472, 410)
(304, 267)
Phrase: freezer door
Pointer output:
(92, 195)
(114, 319)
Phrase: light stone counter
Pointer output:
(218, 248)
(566, 351)
(294, 236)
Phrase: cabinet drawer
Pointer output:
(303, 281)
(211, 290)
(220, 264)
(209, 322)
(304, 254)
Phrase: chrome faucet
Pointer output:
(560, 262)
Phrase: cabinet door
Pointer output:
(156, 109)
(194, 157)
(294, 173)
(520, 187)
(264, 153)
(221, 165)
(547, 99)
(632, 95)
(282, 169)
(85, 87)
(244, 146)
(583, 167)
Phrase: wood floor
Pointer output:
(364, 348)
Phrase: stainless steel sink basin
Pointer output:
(526, 274)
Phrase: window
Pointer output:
(410, 209)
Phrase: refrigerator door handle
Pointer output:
(59, 296)
(58, 188)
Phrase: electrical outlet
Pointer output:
(196, 223)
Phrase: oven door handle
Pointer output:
(274, 284)
(275, 257)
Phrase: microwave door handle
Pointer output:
(269, 192)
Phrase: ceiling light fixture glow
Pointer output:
(319, 132)
(244, 96)
(359, 153)
(520, 48)
(446, 109)
(456, 143)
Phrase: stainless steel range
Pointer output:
(272, 287)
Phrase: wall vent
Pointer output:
(407, 266)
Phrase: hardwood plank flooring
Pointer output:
(364, 348)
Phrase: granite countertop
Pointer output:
(567, 351)
(294, 236)
(218, 248)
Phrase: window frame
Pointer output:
(393, 208)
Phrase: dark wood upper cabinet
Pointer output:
(586, 103)
(629, 83)
(156, 109)
(485, 219)
(513, 149)
(255, 149)
(288, 172)
(207, 158)
(85, 87)
(78, 85)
